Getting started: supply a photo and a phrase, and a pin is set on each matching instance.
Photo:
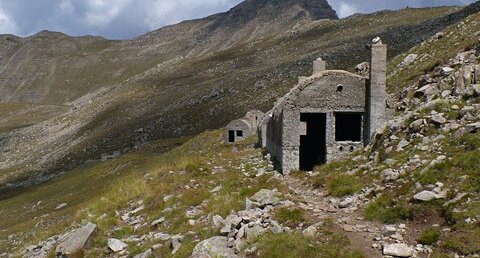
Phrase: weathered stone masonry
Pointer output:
(326, 116)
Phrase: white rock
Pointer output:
(398, 250)
(447, 70)
(214, 247)
(61, 206)
(266, 197)
(409, 59)
(158, 221)
(402, 144)
(116, 245)
(425, 196)
(390, 228)
(346, 202)
(439, 119)
(162, 236)
(217, 222)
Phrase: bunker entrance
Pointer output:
(348, 127)
(313, 144)
(231, 136)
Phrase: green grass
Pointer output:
(465, 242)
(343, 185)
(429, 236)
(385, 209)
(338, 184)
(294, 245)
(290, 216)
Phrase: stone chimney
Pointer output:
(377, 90)
(319, 66)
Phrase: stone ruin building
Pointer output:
(325, 116)
(240, 129)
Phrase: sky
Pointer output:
(124, 19)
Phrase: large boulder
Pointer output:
(266, 197)
(215, 247)
(75, 240)
(398, 250)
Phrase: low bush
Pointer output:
(429, 236)
(386, 210)
(465, 242)
(343, 185)
(290, 216)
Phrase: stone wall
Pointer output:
(255, 117)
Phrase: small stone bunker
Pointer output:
(327, 115)
(242, 128)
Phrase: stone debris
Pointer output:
(243, 227)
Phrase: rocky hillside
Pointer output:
(84, 97)
(413, 193)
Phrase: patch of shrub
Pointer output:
(429, 236)
(343, 185)
(192, 168)
(290, 216)
(194, 197)
(386, 210)
(465, 242)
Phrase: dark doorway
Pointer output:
(231, 136)
(348, 127)
(313, 145)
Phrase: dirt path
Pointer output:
(348, 221)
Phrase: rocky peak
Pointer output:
(313, 9)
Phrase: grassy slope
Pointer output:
(184, 173)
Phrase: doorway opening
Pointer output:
(313, 146)
(231, 136)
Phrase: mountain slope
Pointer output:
(154, 87)
(364, 203)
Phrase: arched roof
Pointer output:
(307, 82)
(241, 121)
